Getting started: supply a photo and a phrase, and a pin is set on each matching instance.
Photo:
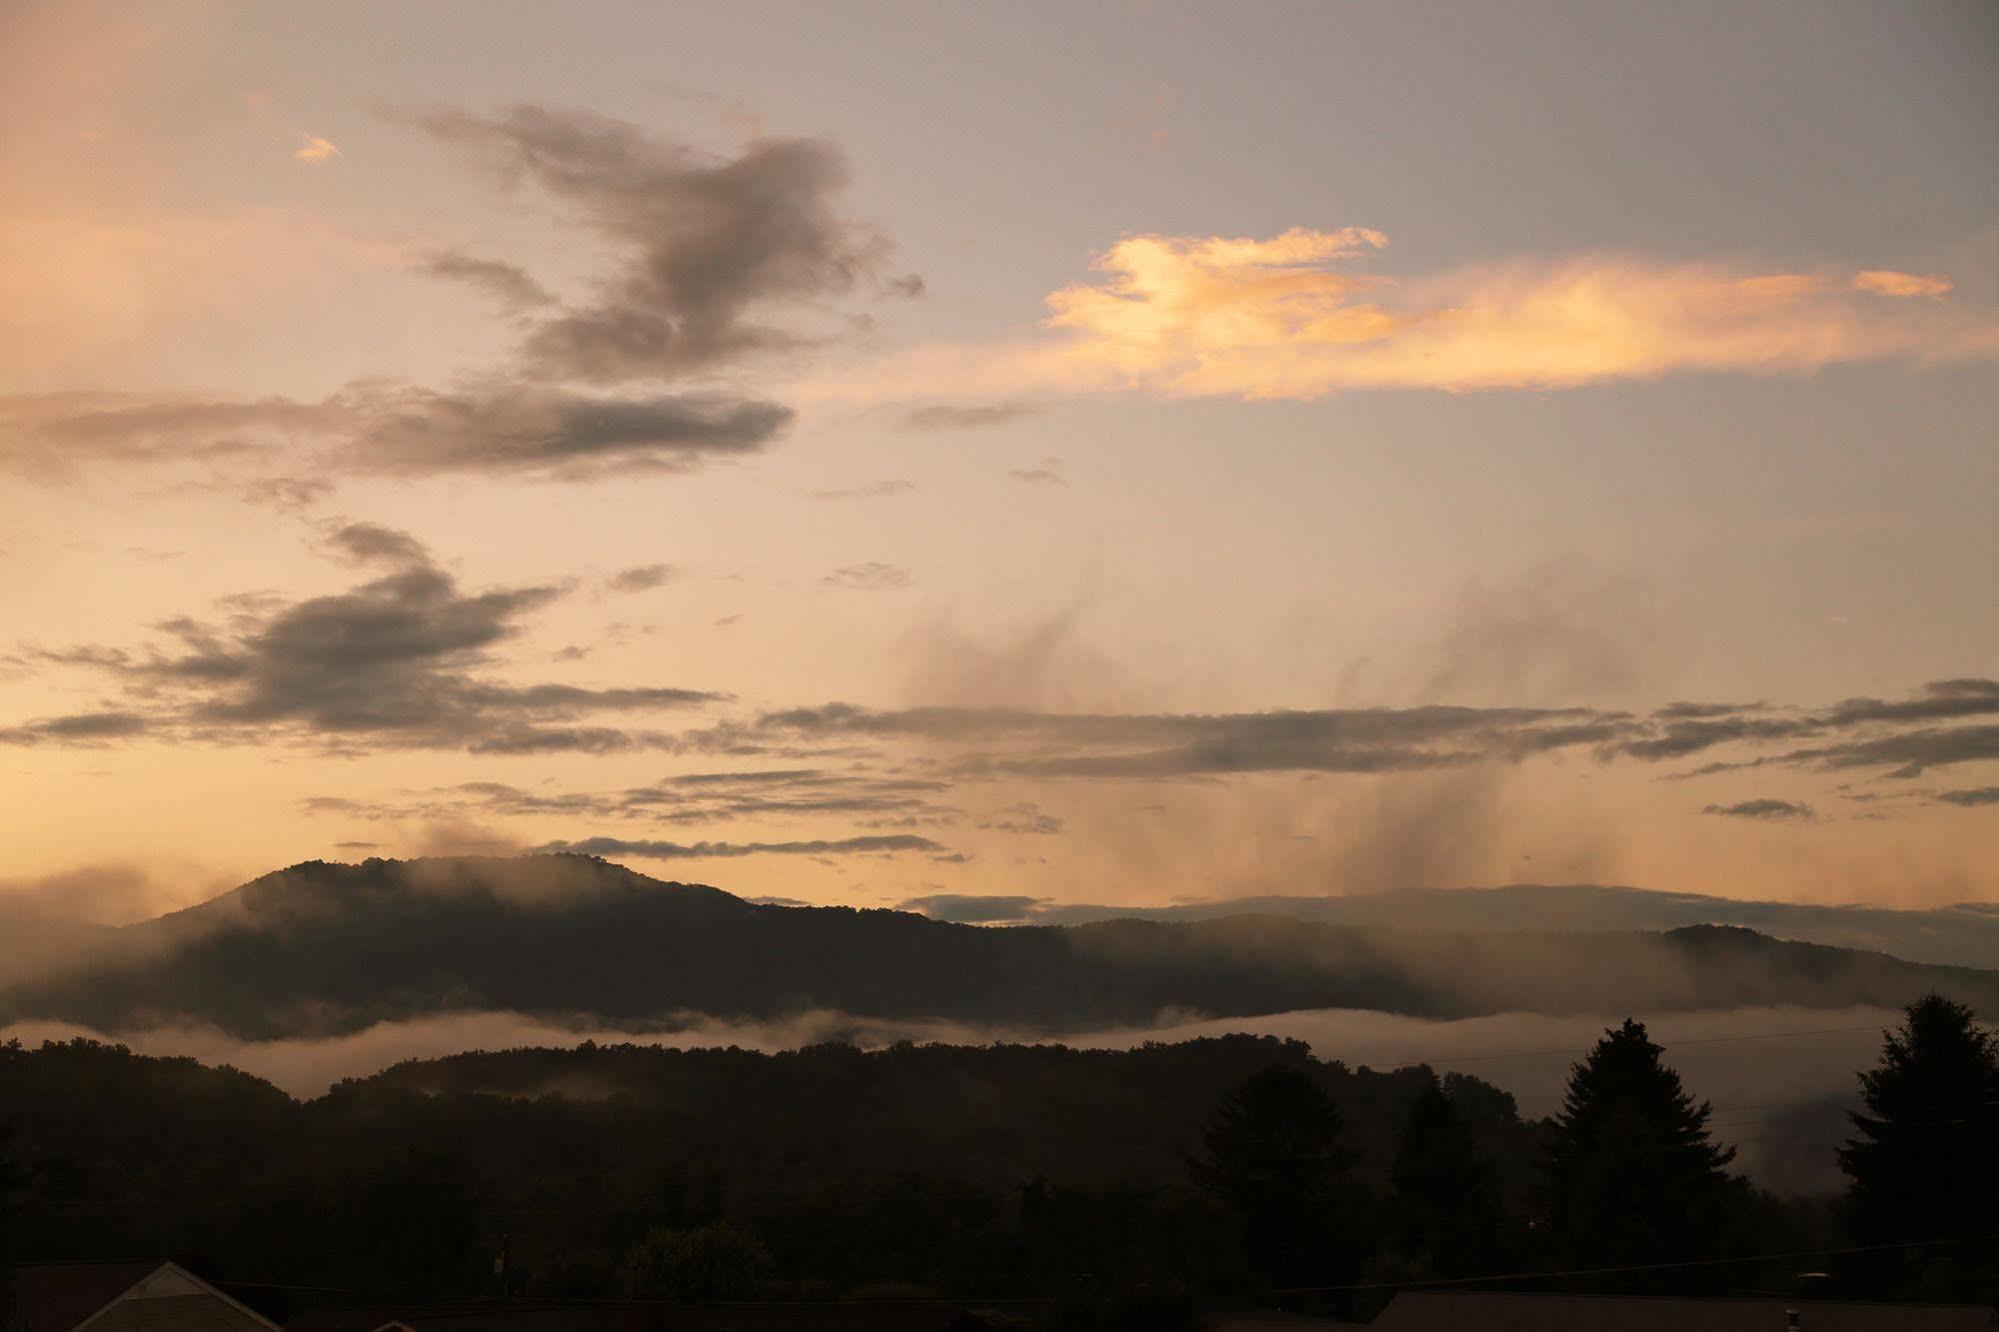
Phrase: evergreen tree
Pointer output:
(1924, 1162)
(1275, 1152)
(1446, 1216)
(1631, 1173)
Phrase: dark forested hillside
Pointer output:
(964, 1169)
(321, 948)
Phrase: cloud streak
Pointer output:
(653, 850)
(396, 431)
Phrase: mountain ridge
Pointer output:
(322, 948)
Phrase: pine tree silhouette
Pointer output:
(1446, 1215)
(1924, 1161)
(1276, 1154)
(1631, 1173)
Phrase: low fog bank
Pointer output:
(1780, 1078)
(1965, 935)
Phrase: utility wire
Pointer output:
(1628, 1268)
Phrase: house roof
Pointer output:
(1507, 1311)
(123, 1297)
(556, 1316)
(55, 1297)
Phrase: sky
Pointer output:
(1120, 453)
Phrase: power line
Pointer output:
(1629, 1268)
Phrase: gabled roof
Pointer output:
(55, 1297)
(1507, 1311)
(124, 1297)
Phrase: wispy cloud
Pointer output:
(1763, 809)
(873, 576)
(647, 850)
(315, 149)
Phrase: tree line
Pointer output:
(1159, 1179)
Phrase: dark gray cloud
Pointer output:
(1684, 729)
(1015, 742)
(366, 542)
(1969, 799)
(390, 661)
(642, 578)
(1677, 739)
(400, 431)
(1763, 809)
(968, 416)
(505, 282)
(1940, 700)
(419, 432)
(708, 244)
(77, 728)
(1674, 712)
(1910, 753)
(652, 850)
(872, 576)
(698, 798)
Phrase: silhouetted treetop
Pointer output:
(1924, 1159)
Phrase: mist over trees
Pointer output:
(1119, 1184)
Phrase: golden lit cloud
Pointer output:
(1289, 317)
(316, 149)
(1885, 283)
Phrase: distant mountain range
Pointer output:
(1965, 935)
(325, 948)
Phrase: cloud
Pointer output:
(1001, 742)
(1025, 817)
(1680, 738)
(694, 798)
(1682, 730)
(77, 728)
(1907, 753)
(1046, 476)
(526, 430)
(369, 542)
(287, 492)
(1984, 795)
(315, 149)
(641, 578)
(395, 430)
(706, 244)
(1762, 809)
(1882, 282)
(979, 416)
(872, 576)
(1938, 700)
(1305, 314)
(613, 846)
(390, 661)
(98, 894)
(875, 490)
(507, 283)
(971, 909)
